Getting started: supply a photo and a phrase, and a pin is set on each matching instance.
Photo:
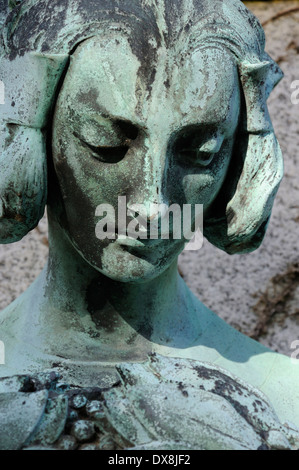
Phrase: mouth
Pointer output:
(153, 251)
(132, 242)
(142, 239)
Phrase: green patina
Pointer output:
(132, 98)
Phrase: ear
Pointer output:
(30, 83)
(239, 217)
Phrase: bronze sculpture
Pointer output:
(160, 104)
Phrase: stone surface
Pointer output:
(18, 426)
(53, 422)
(156, 403)
(89, 447)
(72, 305)
(107, 443)
(67, 443)
(232, 285)
(95, 409)
(83, 430)
(79, 401)
(152, 408)
(211, 273)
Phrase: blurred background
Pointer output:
(257, 293)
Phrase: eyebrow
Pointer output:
(101, 111)
(112, 118)
(209, 128)
(224, 124)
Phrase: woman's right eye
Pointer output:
(115, 144)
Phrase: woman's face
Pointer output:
(161, 136)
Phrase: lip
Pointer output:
(130, 241)
(137, 243)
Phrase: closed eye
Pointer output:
(107, 154)
(194, 149)
(126, 133)
(196, 156)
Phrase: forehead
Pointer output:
(176, 89)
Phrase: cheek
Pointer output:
(78, 202)
(84, 181)
(200, 188)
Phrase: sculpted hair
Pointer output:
(37, 41)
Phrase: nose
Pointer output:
(148, 198)
(149, 215)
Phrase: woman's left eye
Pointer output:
(196, 156)
(196, 149)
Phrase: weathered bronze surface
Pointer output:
(161, 102)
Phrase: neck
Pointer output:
(84, 306)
